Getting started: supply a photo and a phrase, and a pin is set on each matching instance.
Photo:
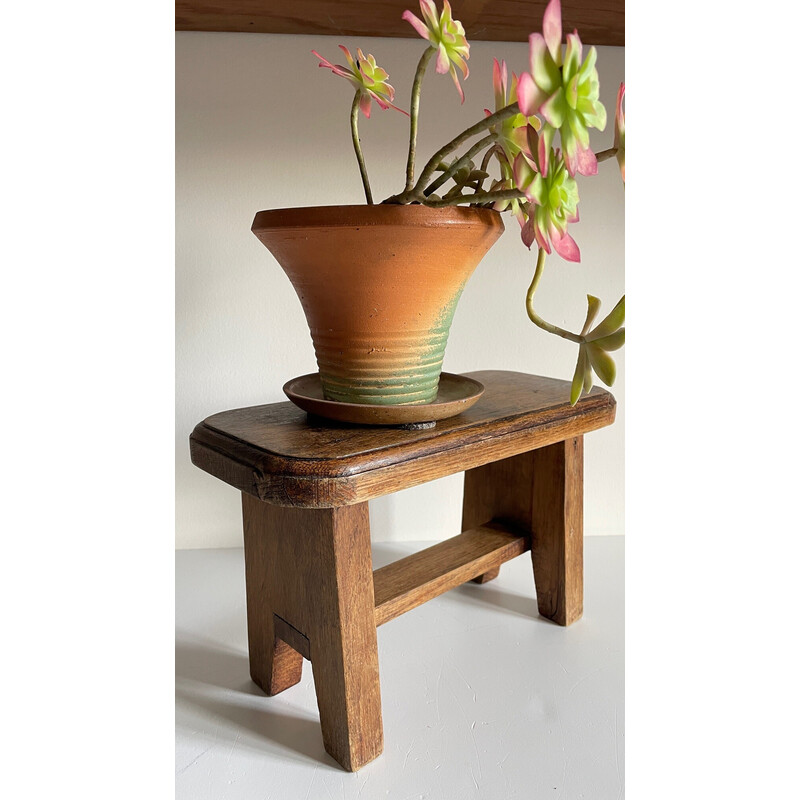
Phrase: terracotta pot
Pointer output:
(379, 286)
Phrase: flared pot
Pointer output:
(379, 286)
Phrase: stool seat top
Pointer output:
(279, 454)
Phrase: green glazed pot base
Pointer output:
(456, 394)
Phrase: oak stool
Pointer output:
(306, 483)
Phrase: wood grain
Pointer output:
(315, 573)
(557, 543)
(487, 576)
(291, 636)
(601, 22)
(500, 491)
(539, 493)
(412, 581)
(274, 664)
(276, 454)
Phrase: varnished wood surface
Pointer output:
(498, 492)
(276, 454)
(599, 22)
(557, 525)
(311, 570)
(539, 493)
(412, 581)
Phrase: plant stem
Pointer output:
(414, 116)
(416, 194)
(485, 163)
(478, 197)
(487, 157)
(603, 155)
(534, 317)
(357, 147)
(478, 127)
(463, 161)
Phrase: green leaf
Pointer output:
(587, 377)
(612, 323)
(611, 342)
(591, 313)
(578, 378)
(602, 363)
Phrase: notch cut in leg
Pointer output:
(315, 577)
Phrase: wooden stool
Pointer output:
(305, 483)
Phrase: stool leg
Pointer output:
(557, 543)
(540, 492)
(344, 645)
(274, 665)
(318, 568)
(499, 491)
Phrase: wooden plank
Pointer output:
(274, 453)
(411, 581)
(599, 22)
(295, 444)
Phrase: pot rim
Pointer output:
(363, 215)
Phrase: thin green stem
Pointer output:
(357, 147)
(485, 163)
(478, 197)
(416, 194)
(414, 115)
(534, 317)
(478, 127)
(488, 155)
(462, 162)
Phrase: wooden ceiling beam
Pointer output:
(599, 22)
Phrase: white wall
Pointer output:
(259, 125)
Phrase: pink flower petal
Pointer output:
(619, 116)
(458, 85)
(551, 28)
(335, 68)
(565, 245)
(323, 61)
(428, 9)
(396, 108)
(544, 155)
(529, 96)
(537, 50)
(456, 59)
(499, 81)
(541, 239)
(523, 175)
(350, 60)
(419, 25)
(442, 61)
(585, 162)
(365, 104)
